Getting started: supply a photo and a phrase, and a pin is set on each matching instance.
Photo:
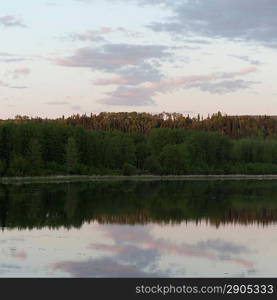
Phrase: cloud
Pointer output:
(98, 35)
(247, 59)
(57, 103)
(247, 20)
(3, 84)
(110, 81)
(241, 72)
(19, 72)
(5, 54)
(186, 81)
(18, 87)
(10, 21)
(139, 2)
(112, 57)
(91, 35)
(76, 107)
(142, 95)
(51, 4)
(198, 41)
(224, 87)
(130, 96)
(132, 75)
(8, 85)
(15, 74)
(9, 58)
(131, 64)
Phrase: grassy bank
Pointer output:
(79, 178)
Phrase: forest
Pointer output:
(41, 147)
(133, 122)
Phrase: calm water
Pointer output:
(139, 229)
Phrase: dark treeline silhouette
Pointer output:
(70, 205)
(133, 122)
(40, 148)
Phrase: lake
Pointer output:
(139, 229)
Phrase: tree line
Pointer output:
(133, 122)
(42, 148)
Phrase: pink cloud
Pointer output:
(105, 30)
(92, 35)
(245, 71)
(142, 94)
(4, 84)
(248, 70)
(11, 21)
(115, 80)
(23, 70)
(19, 72)
(168, 84)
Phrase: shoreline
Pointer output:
(87, 178)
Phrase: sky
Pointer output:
(64, 57)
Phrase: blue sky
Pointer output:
(81, 56)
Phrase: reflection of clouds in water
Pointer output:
(104, 267)
(126, 234)
(14, 253)
(221, 246)
(9, 266)
(128, 259)
(213, 249)
(4, 241)
(6, 269)
(136, 253)
(194, 251)
(21, 255)
(142, 258)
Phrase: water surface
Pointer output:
(139, 229)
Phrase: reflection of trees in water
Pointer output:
(70, 205)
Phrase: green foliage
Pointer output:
(173, 159)
(2, 167)
(252, 150)
(159, 138)
(142, 151)
(28, 149)
(129, 169)
(152, 165)
(71, 156)
(18, 166)
(34, 156)
(208, 148)
(118, 149)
